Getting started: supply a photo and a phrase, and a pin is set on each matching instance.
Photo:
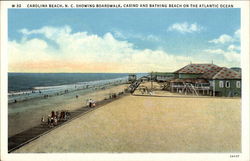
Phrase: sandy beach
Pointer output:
(150, 124)
(27, 114)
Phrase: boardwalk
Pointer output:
(19, 140)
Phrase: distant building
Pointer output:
(163, 77)
(207, 79)
(132, 78)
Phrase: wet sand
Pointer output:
(27, 114)
(150, 124)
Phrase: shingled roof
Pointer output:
(197, 68)
(222, 73)
(209, 71)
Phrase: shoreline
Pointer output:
(27, 95)
(25, 137)
(26, 114)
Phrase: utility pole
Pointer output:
(151, 80)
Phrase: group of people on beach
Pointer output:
(91, 103)
(56, 116)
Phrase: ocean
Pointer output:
(22, 86)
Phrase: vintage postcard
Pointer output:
(125, 80)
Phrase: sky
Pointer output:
(121, 40)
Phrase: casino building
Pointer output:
(205, 79)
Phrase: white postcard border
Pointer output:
(244, 155)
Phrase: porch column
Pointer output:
(213, 87)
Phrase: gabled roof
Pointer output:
(197, 68)
(221, 73)
(237, 69)
(226, 73)
(211, 73)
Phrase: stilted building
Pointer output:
(206, 79)
(163, 77)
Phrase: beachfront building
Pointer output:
(224, 81)
(206, 79)
(132, 78)
(163, 77)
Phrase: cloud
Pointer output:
(185, 27)
(127, 35)
(84, 52)
(223, 39)
(119, 34)
(237, 34)
(152, 38)
(233, 48)
(49, 32)
(231, 53)
(232, 57)
(228, 48)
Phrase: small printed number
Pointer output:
(234, 156)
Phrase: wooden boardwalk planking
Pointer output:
(18, 140)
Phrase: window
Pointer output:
(237, 84)
(221, 84)
(227, 85)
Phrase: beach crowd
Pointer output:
(55, 117)
(63, 115)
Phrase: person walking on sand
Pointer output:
(65, 115)
(93, 103)
(51, 122)
(55, 121)
(90, 103)
(87, 102)
(42, 120)
(57, 114)
(52, 114)
(48, 120)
